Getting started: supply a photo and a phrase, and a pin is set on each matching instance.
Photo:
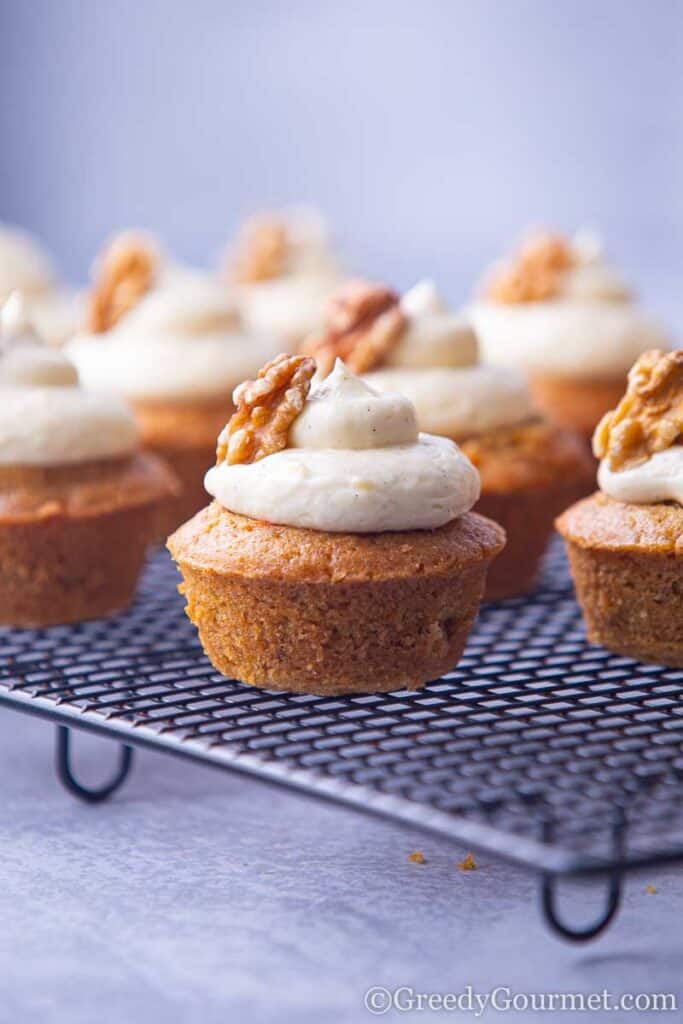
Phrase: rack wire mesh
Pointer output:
(539, 746)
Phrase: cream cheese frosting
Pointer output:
(182, 340)
(293, 304)
(24, 264)
(435, 365)
(592, 327)
(356, 464)
(659, 478)
(45, 417)
(460, 403)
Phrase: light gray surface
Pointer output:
(198, 896)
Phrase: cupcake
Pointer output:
(561, 313)
(283, 270)
(77, 499)
(625, 543)
(530, 469)
(26, 267)
(170, 341)
(340, 554)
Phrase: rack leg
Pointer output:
(613, 898)
(64, 771)
(576, 934)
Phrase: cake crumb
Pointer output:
(468, 863)
(651, 889)
(417, 857)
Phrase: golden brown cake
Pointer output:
(557, 310)
(297, 609)
(169, 340)
(73, 538)
(625, 543)
(529, 474)
(530, 470)
(77, 501)
(339, 555)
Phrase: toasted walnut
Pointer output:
(535, 273)
(649, 417)
(262, 250)
(266, 409)
(364, 322)
(125, 272)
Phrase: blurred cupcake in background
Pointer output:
(26, 267)
(78, 500)
(530, 469)
(171, 341)
(284, 270)
(557, 310)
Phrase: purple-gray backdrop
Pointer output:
(430, 131)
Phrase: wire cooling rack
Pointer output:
(538, 747)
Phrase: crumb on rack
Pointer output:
(651, 889)
(468, 863)
(417, 857)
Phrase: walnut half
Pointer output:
(364, 322)
(266, 409)
(535, 272)
(649, 417)
(262, 250)
(125, 272)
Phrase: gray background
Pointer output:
(431, 132)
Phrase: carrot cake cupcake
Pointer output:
(340, 554)
(625, 543)
(284, 270)
(26, 267)
(77, 499)
(530, 470)
(561, 313)
(170, 341)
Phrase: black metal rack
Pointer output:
(539, 747)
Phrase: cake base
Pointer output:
(627, 565)
(310, 612)
(73, 539)
(183, 434)
(578, 403)
(529, 474)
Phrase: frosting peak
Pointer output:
(343, 412)
(433, 336)
(355, 463)
(24, 360)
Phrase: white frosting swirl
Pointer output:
(592, 328)
(24, 264)
(45, 418)
(435, 366)
(660, 478)
(566, 337)
(293, 305)
(433, 335)
(180, 341)
(460, 403)
(375, 472)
